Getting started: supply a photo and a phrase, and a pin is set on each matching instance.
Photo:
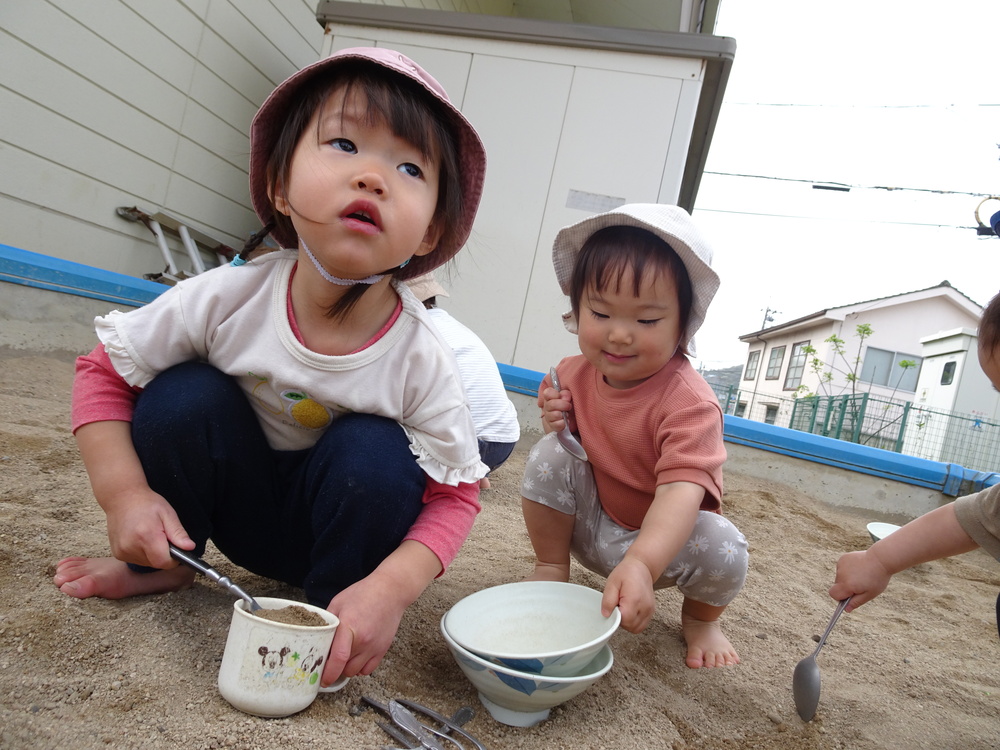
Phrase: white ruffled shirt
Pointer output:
(235, 319)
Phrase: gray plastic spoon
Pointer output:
(566, 438)
(203, 567)
(805, 680)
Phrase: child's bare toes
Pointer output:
(108, 578)
(707, 645)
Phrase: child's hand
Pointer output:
(630, 588)
(861, 576)
(369, 617)
(140, 529)
(932, 536)
(554, 405)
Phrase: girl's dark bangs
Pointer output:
(614, 254)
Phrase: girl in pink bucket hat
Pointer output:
(297, 407)
(643, 508)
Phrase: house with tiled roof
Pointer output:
(887, 361)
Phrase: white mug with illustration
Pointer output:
(272, 667)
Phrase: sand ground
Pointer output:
(917, 668)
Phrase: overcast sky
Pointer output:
(871, 95)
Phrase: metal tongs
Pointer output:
(425, 732)
(205, 569)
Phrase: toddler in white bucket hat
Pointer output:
(674, 226)
(644, 507)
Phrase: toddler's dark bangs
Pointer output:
(610, 253)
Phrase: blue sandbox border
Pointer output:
(41, 271)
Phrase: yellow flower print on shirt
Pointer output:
(305, 411)
(297, 404)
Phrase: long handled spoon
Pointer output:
(566, 438)
(203, 567)
(806, 680)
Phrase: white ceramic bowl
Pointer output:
(523, 699)
(880, 530)
(545, 627)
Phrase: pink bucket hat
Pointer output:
(269, 120)
(671, 224)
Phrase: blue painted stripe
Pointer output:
(944, 477)
(520, 380)
(43, 272)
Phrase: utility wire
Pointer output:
(860, 106)
(822, 183)
(829, 218)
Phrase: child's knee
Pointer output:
(364, 454)
(547, 464)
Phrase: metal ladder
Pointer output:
(190, 239)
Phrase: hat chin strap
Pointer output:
(374, 279)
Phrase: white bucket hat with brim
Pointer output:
(673, 225)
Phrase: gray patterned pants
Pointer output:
(711, 568)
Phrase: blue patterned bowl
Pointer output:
(523, 699)
(546, 627)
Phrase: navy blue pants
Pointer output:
(320, 519)
(494, 454)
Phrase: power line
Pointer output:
(828, 218)
(860, 106)
(827, 184)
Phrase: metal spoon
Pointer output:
(806, 680)
(203, 567)
(565, 437)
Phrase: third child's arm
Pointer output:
(934, 535)
(665, 529)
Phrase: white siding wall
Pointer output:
(114, 103)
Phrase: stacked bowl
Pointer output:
(529, 646)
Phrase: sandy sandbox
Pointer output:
(917, 668)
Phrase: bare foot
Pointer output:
(549, 572)
(707, 644)
(108, 578)
(484, 483)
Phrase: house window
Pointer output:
(774, 363)
(770, 413)
(796, 366)
(948, 374)
(883, 367)
(750, 371)
(741, 409)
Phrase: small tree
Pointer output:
(839, 364)
(850, 369)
